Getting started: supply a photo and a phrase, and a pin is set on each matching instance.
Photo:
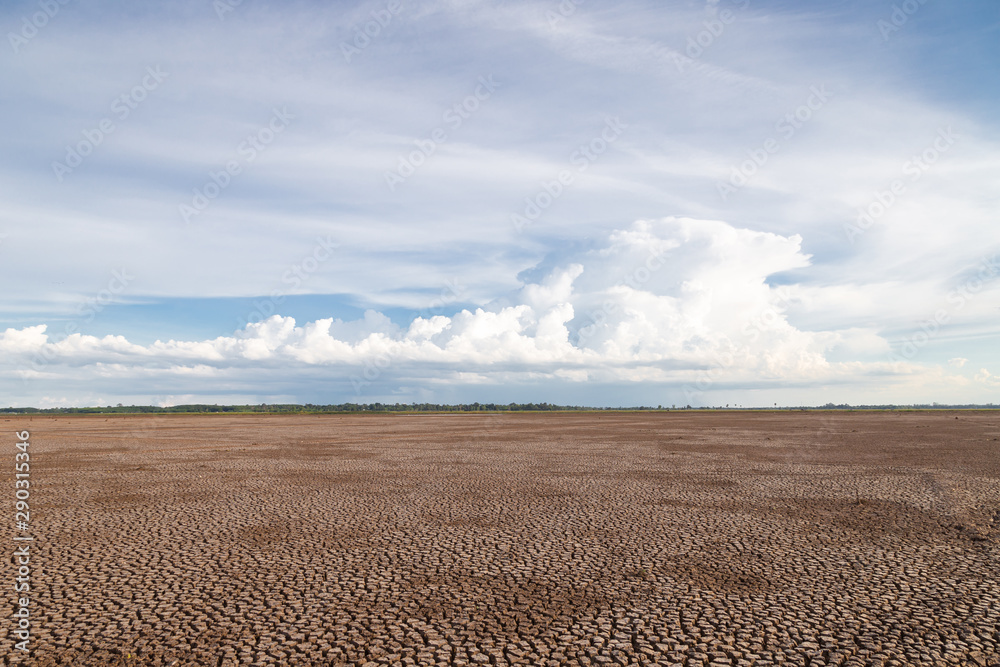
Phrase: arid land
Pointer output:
(677, 538)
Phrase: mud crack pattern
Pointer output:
(674, 538)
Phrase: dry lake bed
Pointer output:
(675, 538)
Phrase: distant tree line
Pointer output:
(289, 408)
(309, 408)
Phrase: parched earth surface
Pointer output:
(679, 538)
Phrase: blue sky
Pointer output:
(599, 203)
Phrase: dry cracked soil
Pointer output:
(673, 538)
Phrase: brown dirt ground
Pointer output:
(677, 538)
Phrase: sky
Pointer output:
(587, 202)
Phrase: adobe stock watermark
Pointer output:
(766, 320)
(786, 128)
(372, 371)
(635, 279)
(712, 29)
(375, 366)
(121, 107)
(294, 277)
(565, 9)
(913, 170)
(151, 423)
(453, 117)
(21, 560)
(581, 158)
(246, 152)
(452, 292)
(899, 17)
(30, 25)
(957, 298)
(86, 312)
(223, 7)
(369, 30)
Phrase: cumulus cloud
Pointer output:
(987, 378)
(666, 300)
(14, 341)
(958, 362)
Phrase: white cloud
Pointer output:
(14, 341)
(987, 378)
(661, 301)
(958, 362)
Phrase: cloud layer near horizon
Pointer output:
(676, 302)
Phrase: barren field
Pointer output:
(540, 539)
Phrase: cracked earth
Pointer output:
(678, 538)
